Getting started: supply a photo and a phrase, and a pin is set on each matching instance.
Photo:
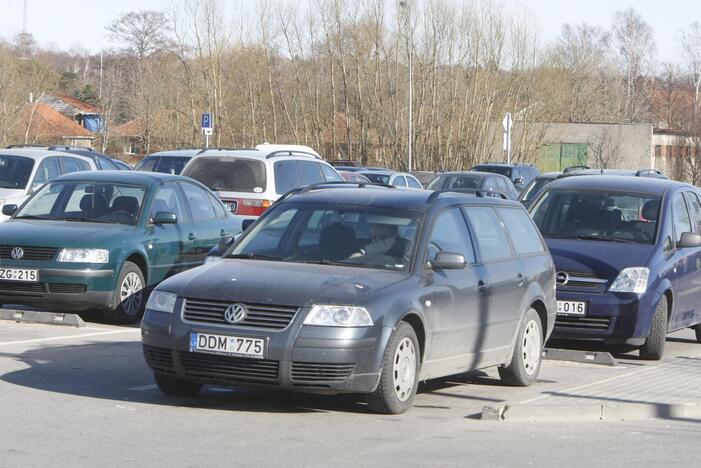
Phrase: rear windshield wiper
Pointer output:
(253, 256)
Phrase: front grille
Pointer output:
(311, 372)
(588, 281)
(21, 287)
(229, 369)
(158, 359)
(583, 323)
(272, 317)
(67, 288)
(30, 253)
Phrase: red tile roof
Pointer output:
(45, 122)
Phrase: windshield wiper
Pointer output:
(324, 261)
(33, 217)
(594, 238)
(253, 256)
(84, 220)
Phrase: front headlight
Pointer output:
(633, 280)
(84, 256)
(338, 316)
(162, 301)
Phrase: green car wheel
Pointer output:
(130, 295)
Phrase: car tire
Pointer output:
(399, 377)
(653, 349)
(176, 387)
(524, 366)
(130, 296)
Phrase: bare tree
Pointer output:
(690, 43)
(142, 32)
(605, 146)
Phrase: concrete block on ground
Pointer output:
(47, 318)
(553, 413)
(574, 355)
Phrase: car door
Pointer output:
(207, 229)
(457, 311)
(501, 280)
(693, 283)
(684, 265)
(165, 251)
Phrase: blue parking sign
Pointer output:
(207, 120)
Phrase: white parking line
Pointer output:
(68, 337)
(143, 388)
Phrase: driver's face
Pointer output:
(381, 232)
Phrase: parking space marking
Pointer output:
(68, 337)
(142, 388)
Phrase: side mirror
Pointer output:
(9, 210)
(165, 217)
(688, 240)
(247, 223)
(226, 242)
(448, 261)
(518, 181)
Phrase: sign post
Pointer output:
(207, 127)
(508, 124)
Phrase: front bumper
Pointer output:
(612, 318)
(61, 288)
(300, 358)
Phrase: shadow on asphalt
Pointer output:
(117, 371)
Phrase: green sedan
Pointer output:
(103, 240)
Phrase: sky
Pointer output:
(66, 24)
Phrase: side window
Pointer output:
(74, 165)
(200, 206)
(167, 199)
(218, 207)
(450, 234)
(502, 187)
(47, 170)
(680, 216)
(105, 164)
(286, 176)
(490, 235)
(310, 172)
(413, 183)
(516, 173)
(489, 184)
(692, 201)
(330, 175)
(399, 181)
(523, 233)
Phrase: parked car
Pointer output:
(101, 160)
(344, 163)
(535, 186)
(354, 177)
(425, 177)
(104, 239)
(349, 168)
(628, 256)
(167, 162)
(121, 165)
(389, 177)
(250, 180)
(487, 181)
(24, 170)
(364, 290)
(519, 174)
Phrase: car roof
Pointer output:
(127, 177)
(262, 152)
(178, 153)
(38, 153)
(649, 185)
(503, 165)
(387, 197)
(386, 172)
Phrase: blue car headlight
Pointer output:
(632, 280)
(162, 301)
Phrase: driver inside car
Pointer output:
(384, 241)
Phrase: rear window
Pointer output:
(227, 174)
(458, 181)
(502, 170)
(146, 165)
(15, 171)
(377, 178)
(171, 165)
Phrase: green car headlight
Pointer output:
(84, 256)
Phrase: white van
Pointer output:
(24, 170)
(249, 180)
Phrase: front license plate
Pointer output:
(15, 274)
(227, 345)
(571, 308)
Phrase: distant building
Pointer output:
(86, 115)
(39, 123)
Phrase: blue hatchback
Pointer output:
(627, 251)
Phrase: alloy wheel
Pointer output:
(130, 294)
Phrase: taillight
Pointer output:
(252, 207)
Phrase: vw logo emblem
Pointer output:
(235, 313)
(562, 278)
(17, 253)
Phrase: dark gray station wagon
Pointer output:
(360, 289)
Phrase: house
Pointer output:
(39, 123)
(86, 115)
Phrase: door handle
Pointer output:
(520, 280)
(191, 236)
(481, 287)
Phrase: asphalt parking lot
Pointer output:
(70, 395)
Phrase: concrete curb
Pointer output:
(587, 357)
(47, 318)
(594, 412)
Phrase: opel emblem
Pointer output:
(17, 253)
(235, 313)
(562, 278)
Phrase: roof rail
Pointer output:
(323, 185)
(70, 148)
(281, 153)
(574, 168)
(647, 172)
(203, 150)
(476, 192)
(24, 145)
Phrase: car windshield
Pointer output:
(457, 181)
(377, 178)
(227, 174)
(534, 188)
(86, 202)
(502, 170)
(171, 165)
(353, 236)
(598, 215)
(15, 171)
